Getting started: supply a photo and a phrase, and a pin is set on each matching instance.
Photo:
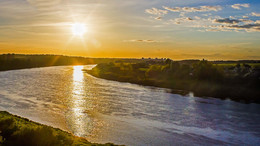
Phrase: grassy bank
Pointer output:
(238, 82)
(15, 130)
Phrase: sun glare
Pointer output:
(78, 29)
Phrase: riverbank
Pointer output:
(209, 83)
(15, 130)
(22, 61)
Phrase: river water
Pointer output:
(122, 113)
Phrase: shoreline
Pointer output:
(176, 91)
(18, 130)
(44, 66)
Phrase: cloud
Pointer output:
(227, 21)
(215, 28)
(247, 27)
(155, 11)
(253, 27)
(238, 6)
(218, 29)
(182, 19)
(158, 18)
(194, 9)
(255, 14)
(176, 9)
(227, 24)
(142, 41)
(214, 23)
(246, 21)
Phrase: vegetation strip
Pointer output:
(15, 130)
(239, 82)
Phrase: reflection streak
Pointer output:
(78, 117)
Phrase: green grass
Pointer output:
(15, 130)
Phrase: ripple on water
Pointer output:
(124, 113)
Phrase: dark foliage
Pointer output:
(204, 78)
(17, 61)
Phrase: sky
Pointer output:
(177, 29)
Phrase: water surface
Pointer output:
(108, 111)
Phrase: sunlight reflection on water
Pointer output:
(78, 74)
(78, 118)
(107, 111)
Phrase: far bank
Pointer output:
(238, 82)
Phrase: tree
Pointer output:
(205, 70)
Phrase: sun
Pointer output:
(78, 29)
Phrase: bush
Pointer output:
(7, 127)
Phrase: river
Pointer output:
(122, 113)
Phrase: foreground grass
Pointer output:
(15, 130)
